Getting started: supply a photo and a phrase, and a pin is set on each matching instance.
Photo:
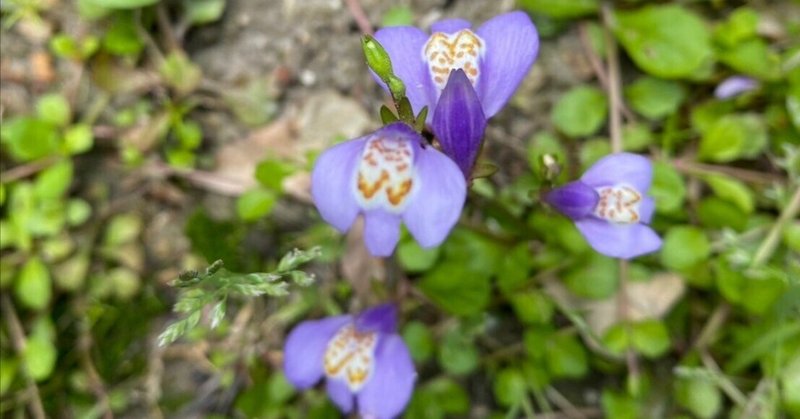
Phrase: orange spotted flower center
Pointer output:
(385, 176)
(618, 204)
(350, 357)
(447, 52)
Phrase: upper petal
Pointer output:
(620, 168)
(450, 25)
(512, 44)
(381, 319)
(575, 199)
(624, 241)
(459, 122)
(404, 45)
(381, 232)
(734, 86)
(333, 180)
(438, 203)
(390, 388)
(340, 394)
(305, 347)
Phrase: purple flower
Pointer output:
(610, 207)
(734, 86)
(495, 58)
(389, 176)
(458, 122)
(365, 362)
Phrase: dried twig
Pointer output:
(360, 17)
(25, 170)
(19, 342)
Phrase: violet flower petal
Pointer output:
(646, 209)
(332, 183)
(437, 206)
(381, 232)
(381, 319)
(404, 45)
(575, 199)
(620, 168)
(305, 348)
(512, 44)
(624, 241)
(389, 389)
(734, 86)
(340, 394)
(458, 121)
(449, 26)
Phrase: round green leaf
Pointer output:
(666, 41)
(655, 98)
(684, 247)
(581, 111)
(596, 277)
(33, 287)
(698, 395)
(457, 355)
(669, 188)
(53, 108)
(733, 137)
(565, 357)
(54, 181)
(40, 357)
(255, 204)
(29, 138)
(78, 138)
(732, 190)
(650, 338)
(413, 258)
(532, 307)
(457, 288)
(560, 9)
(509, 387)
(419, 340)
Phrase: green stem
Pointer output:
(770, 243)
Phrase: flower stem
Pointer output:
(769, 244)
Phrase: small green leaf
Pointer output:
(667, 41)
(122, 229)
(39, 357)
(457, 288)
(595, 278)
(732, 190)
(124, 282)
(457, 355)
(655, 98)
(650, 338)
(29, 138)
(566, 357)
(54, 181)
(8, 370)
(733, 137)
(669, 188)
(255, 203)
(741, 25)
(581, 111)
(180, 72)
(53, 108)
(532, 307)
(754, 58)
(201, 12)
(122, 37)
(78, 211)
(636, 137)
(509, 387)
(560, 9)
(78, 138)
(415, 259)
(698, 395)
(684, 247)
(270, 173)
(419, 340)
(33, 287)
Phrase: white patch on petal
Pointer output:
(619, 204)
(350, 357)
(447, 52)
(385, 178)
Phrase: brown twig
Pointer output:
(354, 6)
(599, 70)
(165, 26)
(25, 170)
(685, 165)
(19, 341)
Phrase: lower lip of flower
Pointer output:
(350, 357)
(447, 52)
(385, 177)
(619, 204)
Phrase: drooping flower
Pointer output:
(366, 365)
(389, 176)
(495, 58)
(734, 86)
(459, 122)
(610, 207)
